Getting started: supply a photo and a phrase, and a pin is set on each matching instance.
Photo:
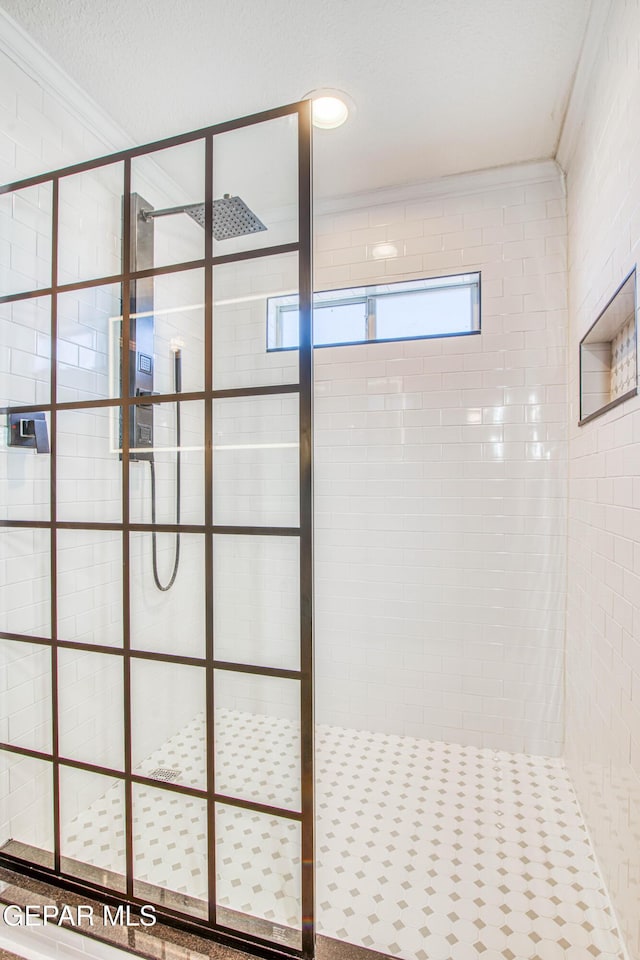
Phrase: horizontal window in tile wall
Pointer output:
(410, 310)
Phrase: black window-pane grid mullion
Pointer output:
(108, 402)
(256, 253)
(305, 426)
(125, 409)
(53, 513)
(287, 813)
(125, 403)
(208, 518)
(148, 149)
(226, 666)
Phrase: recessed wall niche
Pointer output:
(609, 354)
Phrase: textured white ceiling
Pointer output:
(441, 86)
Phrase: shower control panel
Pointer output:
(141, 385)
(141, 335)
(29, 430)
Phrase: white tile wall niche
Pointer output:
(623, 360)
(600, 151)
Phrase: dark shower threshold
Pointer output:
(159, 941)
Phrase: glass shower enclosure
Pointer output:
(156, 727)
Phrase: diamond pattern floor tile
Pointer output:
(425, 850)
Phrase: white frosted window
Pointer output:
(438, 307)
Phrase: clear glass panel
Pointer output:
(245, 322)
(168, 327)
(168, 722)
(25, 338)
(170, 849)
(256, 460)
(257, 738)
(92, 827)
(26, 808)
(90, 587)
(25, 700)
(256, 600)
(89, 470)
(333, 323)
(25, 484)
(90, 224)
(269, 188)
(161, 419)
(338, 323)
(25, 567)
(25, 240)
(258, 874)
(91, 707)
(89, 332)
(166, 180)
(426, 313)
(170, 621)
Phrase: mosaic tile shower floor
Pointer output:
(426, 850)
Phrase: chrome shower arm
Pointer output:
(168, 211)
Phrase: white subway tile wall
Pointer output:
(91, 708)
(441, 481)
(25, 704)
(170, 622)
(251, 576)
(25, 251)
(601, 153)
(27, 801)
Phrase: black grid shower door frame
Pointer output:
(304, 533)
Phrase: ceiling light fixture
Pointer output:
(384, 251)
(329, 108)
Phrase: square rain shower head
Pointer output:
(231, 218)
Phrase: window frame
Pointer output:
(370, 301)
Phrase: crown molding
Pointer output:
(23, 50)
(453, 185)
(593, 38)
(29, 56)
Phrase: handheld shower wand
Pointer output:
(177, 384)
(230, 217)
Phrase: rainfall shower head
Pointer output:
(231, 217)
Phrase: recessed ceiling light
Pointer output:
(384, 251)
(329, 108)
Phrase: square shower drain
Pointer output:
(166, 774)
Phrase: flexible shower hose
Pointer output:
(176, 559)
